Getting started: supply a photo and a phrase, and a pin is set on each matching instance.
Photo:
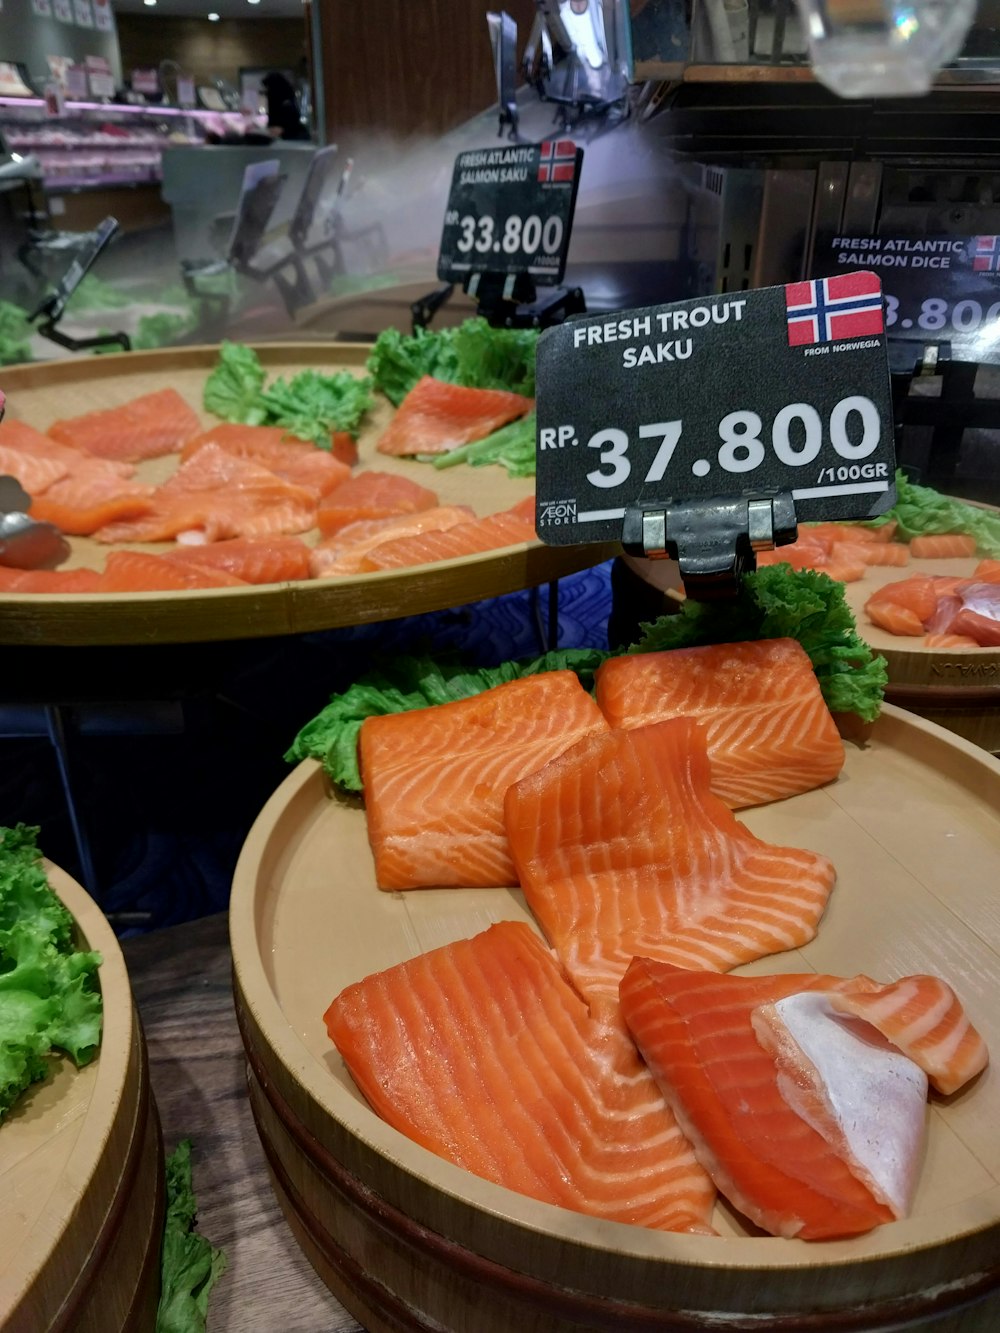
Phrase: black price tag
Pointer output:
(772, 392)
(938, 289)
(510, 210)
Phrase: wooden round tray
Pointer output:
(39, 394)
(913, 827)
(958, 688)
(81, 1172)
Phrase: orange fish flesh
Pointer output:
(215, 495)
(346, 551)
(622, 849)
(770, 734)
(271, 560)
(372, 495)
(297, 461)
(147, 427)
(482, 1052)
(435, 417)
(435, 778)
(507, 528)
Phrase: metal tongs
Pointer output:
(26, 543)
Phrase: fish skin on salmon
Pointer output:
(372, 495)
(482, 1052)
(696, 1035)
(434, 778)
(784, 1124)
(770, 735)
(146, 427)
(436, 417)
(507, 528)
(216, 495)
(622, 849)
(272, 447)
(345, 552)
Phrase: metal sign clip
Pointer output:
(714, 540)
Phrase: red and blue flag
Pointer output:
(830, 309)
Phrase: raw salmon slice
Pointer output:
(483, 1053)
(435, 417)
(987, 571)
(507, 528)
(89, 498)
(215, 495)
(49, 580)
(872, 553)
(946, 546)
(435, 778)
(18, 435)
(801, 554)
(34, 474)
(802, 1095)
(907, 602)
(769, 733)
(949, 641)
(345, 552)
(696, 1035)
(275, 560)
(271, 446)
(372, 495)
(622, 850)
(137, 571)
(147, 427)
(924, 1018)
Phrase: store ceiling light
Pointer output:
(149, 2)
(213, 18)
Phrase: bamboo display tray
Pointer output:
(408, 1241)
(81, 1173)
(42, 393)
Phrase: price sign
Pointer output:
(510, 210)
(779, 391)
(938, 289)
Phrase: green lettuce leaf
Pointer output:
(190, 1266)
(232, 391)
(94, 293)
(15, 333)
(398, 360)
(408, 683)
(473, 354)
(512, 447)
(922, 511)
(49, 997)
(312, 405)
(162, 329)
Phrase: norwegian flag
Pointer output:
(557, 164)
(830, 309)
(986, 254)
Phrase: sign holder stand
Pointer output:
(506, 301)
(713, 540)
(53, 307)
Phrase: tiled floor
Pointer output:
(169, 783)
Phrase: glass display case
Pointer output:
(97, 145)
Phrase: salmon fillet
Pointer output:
(483, 1053)
(18, 435)
(435, 778)
(622, 850)
(345, 552)
(34, 474)
(138, 571)
(49, 580)
(299, 462)
(809, 1126)
(769, 732)
(372, 495)
(89, 498)
(274, 560)
(147, 427)
(435, 417)
(507, 528)
(216, 496)
(947, 546)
